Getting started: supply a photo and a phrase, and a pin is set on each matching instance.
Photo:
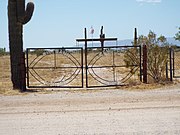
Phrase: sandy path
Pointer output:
(97, 112)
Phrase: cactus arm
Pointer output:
(23, 15)
(28, 13)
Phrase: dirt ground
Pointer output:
(109, 111)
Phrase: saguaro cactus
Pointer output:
(17, 17)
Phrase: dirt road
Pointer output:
(101, 112)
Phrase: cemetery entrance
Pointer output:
(77, 67)
(102, 65)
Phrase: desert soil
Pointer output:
(112, 111)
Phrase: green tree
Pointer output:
(177, 35)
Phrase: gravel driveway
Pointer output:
(113, 111)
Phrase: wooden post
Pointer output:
(144, 64)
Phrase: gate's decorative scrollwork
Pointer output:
(57, 67)
(63, 67)
(108, 68)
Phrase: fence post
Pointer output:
(173, 62)
(144, 64)
(167, 78)
(170, 64)
(140, 64)
(86, 64)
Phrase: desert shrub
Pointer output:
(157, 55)
(2, 51)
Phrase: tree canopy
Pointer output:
(177, 35)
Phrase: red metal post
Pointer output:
(144, 64)
(170, 63)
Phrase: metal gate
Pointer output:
(108, 66)
(55, 67)
(176, 62)
(65, 67)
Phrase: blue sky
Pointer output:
(57, 23)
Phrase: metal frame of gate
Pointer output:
(104, 67)
(66, 67)
(54, 67)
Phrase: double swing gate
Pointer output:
(77, 67)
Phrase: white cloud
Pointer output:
(149, 1)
